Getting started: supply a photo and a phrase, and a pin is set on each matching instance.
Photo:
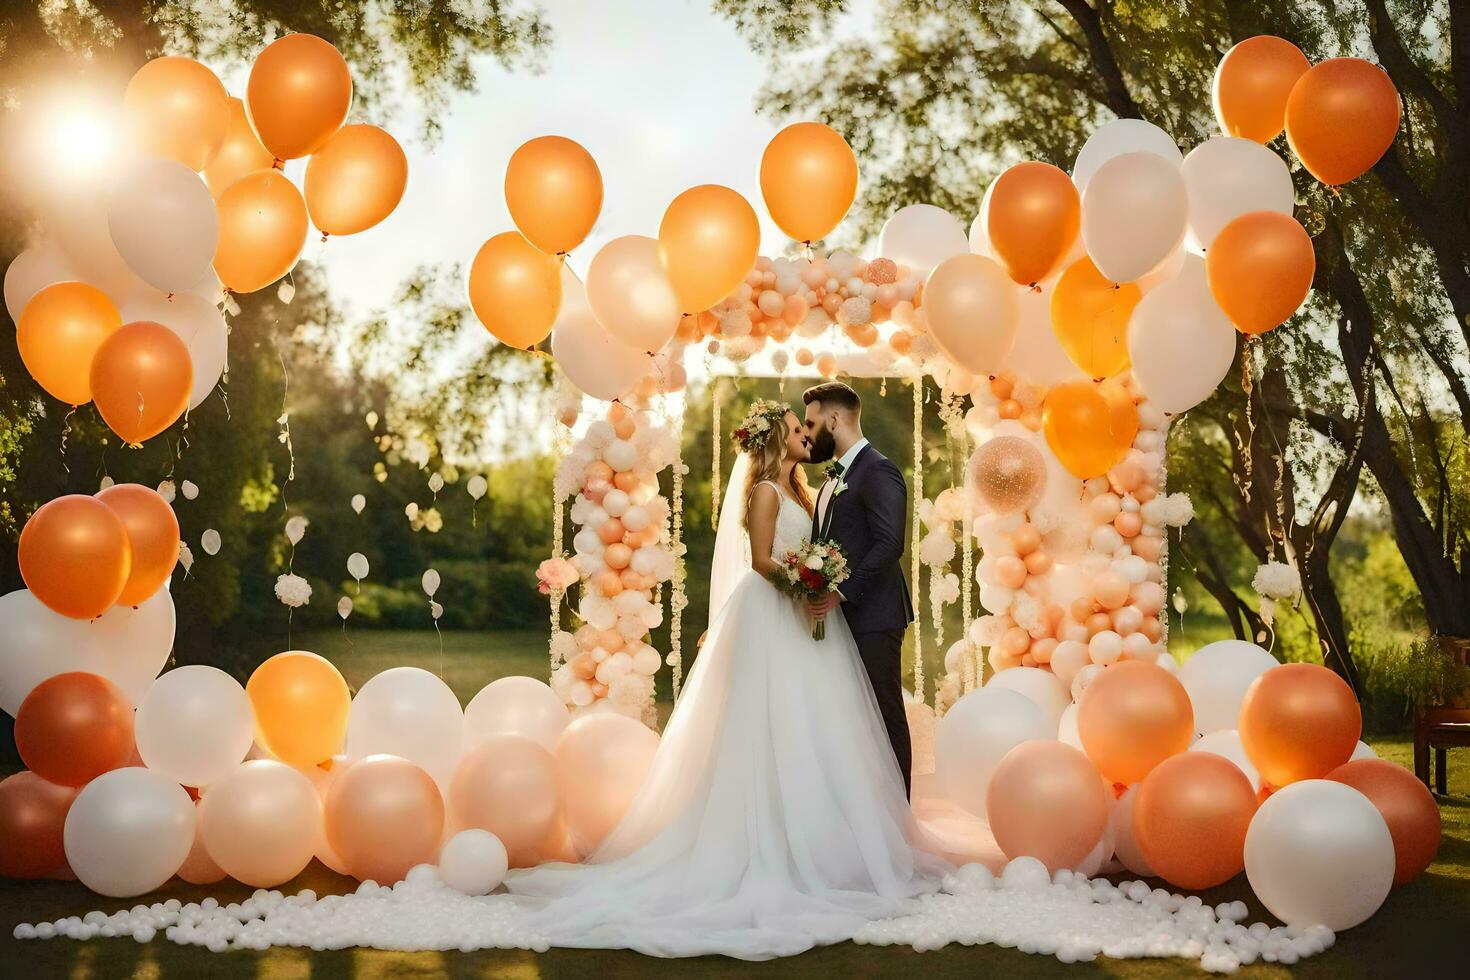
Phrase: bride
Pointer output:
(774, 817)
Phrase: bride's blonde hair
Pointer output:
(762, 436)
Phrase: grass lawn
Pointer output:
(1422, 931)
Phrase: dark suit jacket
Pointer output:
(867, 520)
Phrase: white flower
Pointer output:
(293, 590)
(1277, 580)
(814, 562)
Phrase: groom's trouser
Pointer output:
(882, 653)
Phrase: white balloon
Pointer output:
(975, 734)
(1120, 828)
(296, 529)
(357, 565)
(195, 725)
(128, 831)
(587, 354)
(980, 227)
(1181, 343)
(1037, 355)
(410, 713)
(163, 223)
(1318, 852)
(1227, 177)
(79, 224)
(43, 264)
(921, 236)
(1226, 744)
(358, 502)
(196, 321)
(1117, 138)
(1362, 751)
(430, 582)
(476, 486)
(630, 294)
(1067, 728)
(516, 706)
(1041, 686)
(127, 645)
(1216, 678)
(1133, 215)
(473, 862)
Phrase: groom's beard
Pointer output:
(824, 446)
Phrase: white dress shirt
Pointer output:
(831, 487)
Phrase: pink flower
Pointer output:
(556, 574)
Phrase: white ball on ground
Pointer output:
(473, 862)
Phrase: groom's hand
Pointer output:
(819, 608)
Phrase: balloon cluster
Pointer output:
(207, 779)
(119, 305)
(622, 550)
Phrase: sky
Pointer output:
(661, 94)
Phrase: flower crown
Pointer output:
(763, 417)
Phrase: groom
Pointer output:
(863, 506)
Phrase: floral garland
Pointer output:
(763, 418)
(916, 567)
(678, 597)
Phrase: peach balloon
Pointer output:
(32, 816)
(1260, 269)
(239, 152)
(608, 582)
(383, 816)
(1008, 474)
(515, 290)
(141, 379)
(1407, 806)
(199, 868)
(611, 531)
(178, 109)
(554, 192)
(1078, 424)
(1025, 539)
(1010, 571)
(584, 666)
(507, 785)
(1147, 546)
(1341, 117)
(602, 760)
(1089, 314)
(355, 180)
(1105, 507)
(262, 823)
(58, 334)
(299, 93)
(73, 727)
(1038, 563)
(262, 228)
(153, 537)
(1128, 524)
(708, 241)
(301, 706)
(1110, 590)
(809, 178)
(1045, 801)
(1299, 721)
(617, 556)
(1033, 216)
(1190, 818)
(74, 556)
(1252, 85)
(1133, 716)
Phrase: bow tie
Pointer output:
(837, 468)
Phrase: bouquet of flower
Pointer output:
(812, 571)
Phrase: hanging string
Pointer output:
(916, 528)
(66, 432)
(714, 454)
(678, 599)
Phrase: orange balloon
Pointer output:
(384, 815)
(1190, 818)
(1033, 219)
(32, 819)
(1045, 801)
(554, 192)
(515, 290)
(1341, 118)
(1252, 85)
(177, 108)
(507, 785)
(1078, 424)
(298, 95)
(1407, 806)
(301, 704)
(74, 556)
(1122, 415)
(1132, 717)
(1089, 315)
(708, 241)
(809, 178)
(262, 229)
(74, 727)
(355, 180)
(239, 153)
(141, 378)
(153, 537)
(58, 335)
(1260, 269)
(1299, 721)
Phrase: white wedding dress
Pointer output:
(773, 818)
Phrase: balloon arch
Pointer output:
(1061, 332)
